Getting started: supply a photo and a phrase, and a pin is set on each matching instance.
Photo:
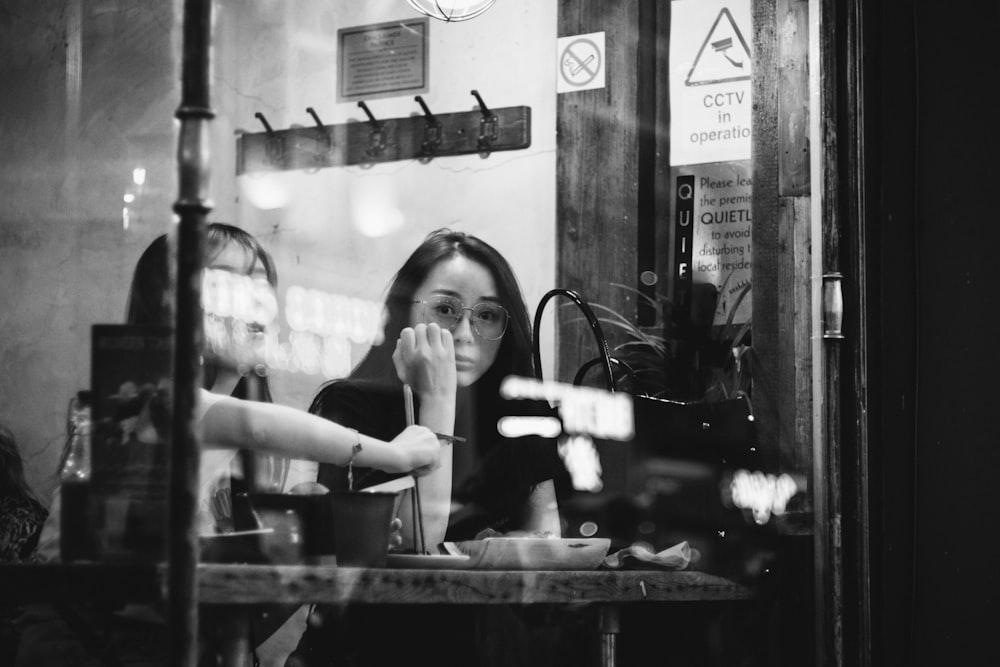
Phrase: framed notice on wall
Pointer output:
(382, 60)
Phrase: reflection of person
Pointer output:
(227, 423)
(456, 326)
(224, 422)
(21, 519)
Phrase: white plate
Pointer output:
(427, 562)
(534, 553)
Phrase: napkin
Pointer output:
(640, 556)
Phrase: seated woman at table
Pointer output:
(224, 423)
(227, 423)
(457, 325)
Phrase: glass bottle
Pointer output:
(76, 541)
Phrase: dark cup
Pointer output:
(313, 514)
(361, 523)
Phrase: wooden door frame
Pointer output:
(820, 430)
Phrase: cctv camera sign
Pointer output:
(709, 81)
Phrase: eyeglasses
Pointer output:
(489, 320)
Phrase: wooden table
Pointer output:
(240, 586)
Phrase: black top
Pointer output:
(492, 475)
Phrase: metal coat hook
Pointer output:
(263, 121)
(376, 138)
(488, 130)
(432, 129)
(423, 135)
(482, 105)
(319, 123)
(321, 129)
(274, 148)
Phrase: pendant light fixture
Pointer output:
(451, 10)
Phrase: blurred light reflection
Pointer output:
(266, 191)
(373, 210)
(762, 494)
(582, 462)
(518, 427)
(241, 325)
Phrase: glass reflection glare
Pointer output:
(265, 191)
(583, 410)
(242, 325)
(518, 427)
(582, 462)
(762, 494)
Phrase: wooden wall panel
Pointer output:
(796, 453)
(765, 231)
(782, 269)
(599, 199)
(597, 176)
(793, 97)
(662, 204)
(792, 18)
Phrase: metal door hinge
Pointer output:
(833, 306)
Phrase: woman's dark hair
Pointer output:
(502, 482)
(149, 297)
(503, 471)
(149, 302)
(514, 355)
(12, 480)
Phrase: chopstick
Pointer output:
(408, 403)
(411, 420)
(418, 524)
(392, 486)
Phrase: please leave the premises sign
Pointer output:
(382, 59)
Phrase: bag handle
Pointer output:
(595, 327)
(615, 361)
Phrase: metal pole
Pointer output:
(608, 628)
(192, 206)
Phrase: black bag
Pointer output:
(670, 483)
(719, 433)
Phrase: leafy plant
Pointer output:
(688, 361)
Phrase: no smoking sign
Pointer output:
(581, 62)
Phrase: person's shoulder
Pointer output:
(209, 398)
(205, 400)
(352, 390)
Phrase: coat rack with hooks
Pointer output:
(418, 137)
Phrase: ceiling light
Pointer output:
(451, 10)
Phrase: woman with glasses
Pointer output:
(456, 326)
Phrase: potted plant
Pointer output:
(683, 358)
